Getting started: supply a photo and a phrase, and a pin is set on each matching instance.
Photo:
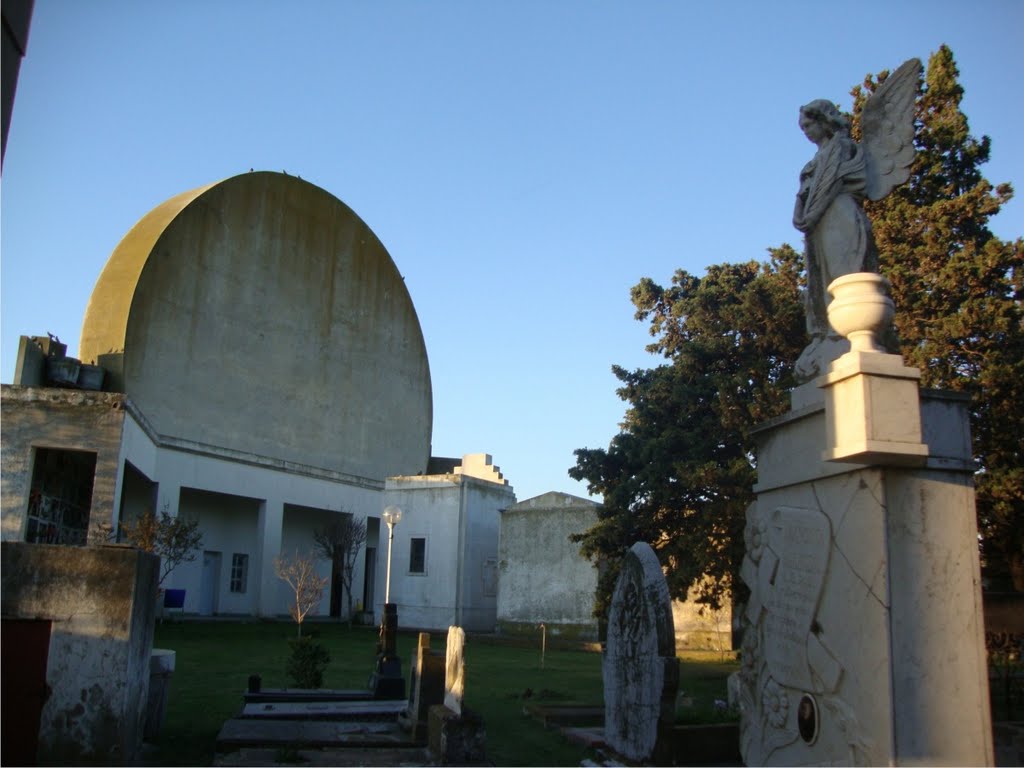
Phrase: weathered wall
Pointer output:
(478, 595)
(699, 627)
(543, 578)
(101, 601)
(261, 315)
(37, 417)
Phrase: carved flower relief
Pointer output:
(749, 653)
(775, 703)
(756, 537)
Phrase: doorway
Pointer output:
(369, 577)
(209, 593)
(25, 691)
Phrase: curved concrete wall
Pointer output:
(261, 315)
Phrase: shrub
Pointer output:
(307, 663)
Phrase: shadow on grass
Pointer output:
(215, 659)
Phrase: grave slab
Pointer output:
(254, 732)
(324, 709)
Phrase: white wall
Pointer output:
(479, 584)
(430, 510)
(263, 526)
(458, 516)
(229, 525)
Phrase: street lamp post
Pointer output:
(392, 516)
(386, 681)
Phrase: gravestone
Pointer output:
(455, 669)
(641, 673)
(455, 735)
(426, 687)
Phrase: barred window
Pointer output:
(239, 572)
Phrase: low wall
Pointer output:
(556, 631)
(99, 602)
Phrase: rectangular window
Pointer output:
(239, 572)
(417, 556)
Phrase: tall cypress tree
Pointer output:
(957, 290)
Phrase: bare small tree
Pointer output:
(174, 539)
(340, 541)
(299, 573)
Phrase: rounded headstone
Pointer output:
(640, 667)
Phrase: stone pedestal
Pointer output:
(426, 688)
(872, 411)
(456, 739)
(863, 637)
(387, 682)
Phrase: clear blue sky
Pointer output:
(524, 162)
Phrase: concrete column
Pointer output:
(271, 521)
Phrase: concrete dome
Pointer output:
(259, 314)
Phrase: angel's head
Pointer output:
(821, 120)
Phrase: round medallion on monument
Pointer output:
(807, 719)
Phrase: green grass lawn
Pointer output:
(214, 661)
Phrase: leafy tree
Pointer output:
(340, 542)
(299, 573)
(174, 539)
(679, 475)
(958, 296)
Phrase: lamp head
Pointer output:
(392, 515)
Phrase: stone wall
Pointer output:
(100, 602)
(701, 628)
(66, 419)
(543, 578)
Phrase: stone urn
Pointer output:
(861, 309)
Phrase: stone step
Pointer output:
(309, 694)
(325, 710)
(257, 732)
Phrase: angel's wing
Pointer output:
(887, 130)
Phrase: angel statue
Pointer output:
(829, 205)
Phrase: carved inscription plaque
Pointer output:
(800, 538)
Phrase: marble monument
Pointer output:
(863, 638)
